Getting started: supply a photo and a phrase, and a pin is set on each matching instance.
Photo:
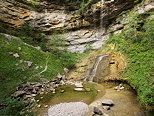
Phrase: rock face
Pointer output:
(85, 39)
(13, 15)
(68, 109)
(48, 16)
(98, 69)
(122, 21)
(107, 10)
(84, 32)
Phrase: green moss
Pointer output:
(69, 95)
(137, 42)
(34, 2)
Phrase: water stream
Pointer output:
(92, 73)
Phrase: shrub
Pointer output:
(14, 107)
(138, 45)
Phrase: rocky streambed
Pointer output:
(99, 100)
(66, 97)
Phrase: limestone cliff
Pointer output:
(88, 28)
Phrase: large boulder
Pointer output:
(69, 109)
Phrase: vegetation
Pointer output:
(15, 55)
(14, 107)
(84, 4)
(137, 42)
(57, 46)
(34, 2)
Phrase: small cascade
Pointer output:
(91, 74)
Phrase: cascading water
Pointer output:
(92, 73)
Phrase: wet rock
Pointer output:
(97, 111)
(107, 102)
(106, 107)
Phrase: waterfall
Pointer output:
(92, 74)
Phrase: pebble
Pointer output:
(46, 106)
(39, 106)
(16, 55)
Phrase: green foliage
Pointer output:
(15, 70)
(14, 107)
(124, 12)
(34, 3)
(31, 36)
(88, 47)
(57, 46)
(85, 4)
(137, 42)
(27, 33)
